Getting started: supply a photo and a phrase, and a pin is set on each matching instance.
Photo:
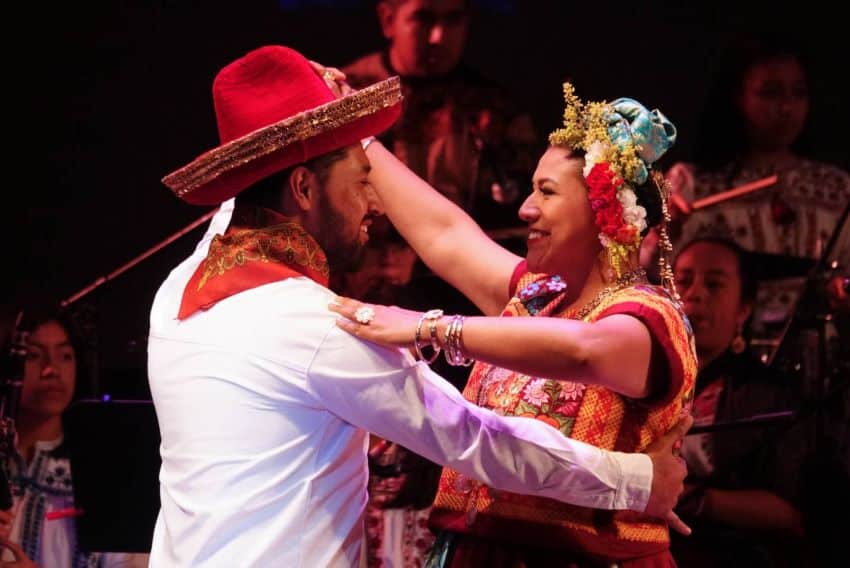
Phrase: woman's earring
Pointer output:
(739, 344)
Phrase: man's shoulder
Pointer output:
(267, 307)
(299, 295)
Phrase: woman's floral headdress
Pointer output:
(621, 141)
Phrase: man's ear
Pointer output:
(301, 188)
(386, 14)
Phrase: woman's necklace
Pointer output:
(631, 278)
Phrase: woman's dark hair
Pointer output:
(649, 197)
(746, 266)
(721, 137)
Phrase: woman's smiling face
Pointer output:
(562, 233)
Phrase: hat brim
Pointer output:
(221, 173)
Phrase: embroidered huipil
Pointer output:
(583, 412)
(793, 219)
(42, 486)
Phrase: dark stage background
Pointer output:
(110, 96)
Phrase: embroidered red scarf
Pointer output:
(259, 247)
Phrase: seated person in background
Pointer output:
(743, 484)
(458, 130)
(39, 472)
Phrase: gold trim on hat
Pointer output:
(275, 137)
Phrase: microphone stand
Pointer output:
(127, 266)
(755, 420)
(813, 356)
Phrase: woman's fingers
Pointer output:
(333, 77)
(387, 325)
(344, 306)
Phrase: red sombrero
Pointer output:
(274, 111)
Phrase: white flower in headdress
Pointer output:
(633, 214)
(595, 154)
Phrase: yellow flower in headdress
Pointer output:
(621, 140)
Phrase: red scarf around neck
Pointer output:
(259, 247)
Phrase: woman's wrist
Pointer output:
(443, 334)
(427, 335)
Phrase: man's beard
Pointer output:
(344, 254)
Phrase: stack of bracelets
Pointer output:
(451, 339)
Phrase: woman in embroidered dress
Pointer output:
(605, 357)
(39, 472)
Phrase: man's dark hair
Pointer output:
(266, 192)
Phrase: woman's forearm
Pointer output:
(444, 236)
(419, 212)
(613, 352)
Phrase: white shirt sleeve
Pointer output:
(385, 392)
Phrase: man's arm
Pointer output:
(383, 392)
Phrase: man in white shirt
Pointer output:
(264, 404)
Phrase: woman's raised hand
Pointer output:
(334, 78)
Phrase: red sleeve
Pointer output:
(520, 269)
(670, 344)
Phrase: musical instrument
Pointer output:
(756, 420)
(128, 265)
(13, 380)
(734, 193)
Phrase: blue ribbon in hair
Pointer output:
(650, 132)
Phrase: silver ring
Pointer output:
(364, 315)
(328, 75)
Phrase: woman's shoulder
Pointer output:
(823, 170)
(651, 295)
(658, 302)
(823, 166)
(644, 300)
(822, 183)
